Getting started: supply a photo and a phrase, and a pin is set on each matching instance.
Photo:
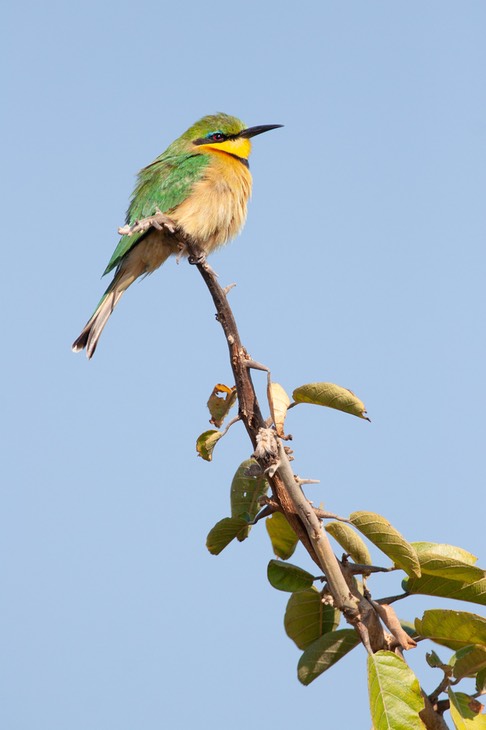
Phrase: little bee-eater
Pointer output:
(202, 182)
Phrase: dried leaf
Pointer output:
(279, 401)
(220, 401)
(465, 712)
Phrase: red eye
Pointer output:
(217, 137)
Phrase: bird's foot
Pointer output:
(159, 221)
(198, 258)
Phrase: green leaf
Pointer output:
(350, 541)
(432, 585)
(324, 652)
(409, 628)
(446, 551)
(224, 532)
(246, 491)
(454, 629)
(481, 681)
(206, 443)
(283, 538)
(394, 691)
(379, 531)
(220, 401)
(287, 577)
(307, 617)
(332, 396)
(434, 660)
(465, 712)
(468, 661)
(448, 562)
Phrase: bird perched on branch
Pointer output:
(202, 183)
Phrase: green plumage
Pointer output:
(162, 185)
(167, 181)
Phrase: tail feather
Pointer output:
(94, 327)
(144, 258)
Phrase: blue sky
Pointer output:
(362, 263)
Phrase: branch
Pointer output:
(273, 459)
(272, 456)
(431, 715)
(287, 494)
(338, 586)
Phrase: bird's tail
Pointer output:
(94, 327)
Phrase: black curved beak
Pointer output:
(253, 131)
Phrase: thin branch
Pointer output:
(442, 687)
(231, 423)
(249, 409)
(390, 619)
(325, 515)
(338, 586)
(431, 715)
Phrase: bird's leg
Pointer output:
(198, 255)
(198, 258)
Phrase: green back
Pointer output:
(164, 184)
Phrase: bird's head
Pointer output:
(223, 133)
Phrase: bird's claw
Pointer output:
(197, 259)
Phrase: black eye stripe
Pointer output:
(215, 137)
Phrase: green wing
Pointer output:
(162, 185)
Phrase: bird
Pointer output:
(202, 182)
